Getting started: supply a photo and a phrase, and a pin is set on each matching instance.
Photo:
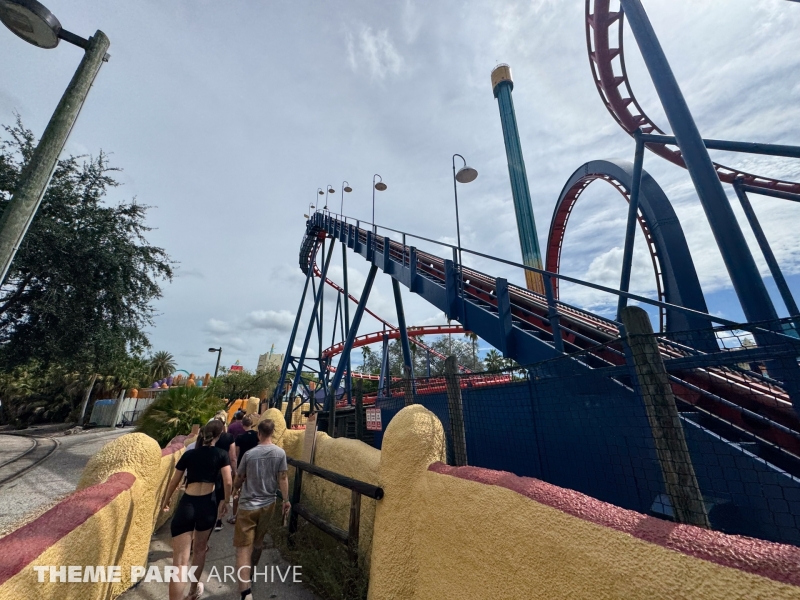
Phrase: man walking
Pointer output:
(261, 472)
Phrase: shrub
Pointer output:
(176, 410)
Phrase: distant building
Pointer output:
(269, 359)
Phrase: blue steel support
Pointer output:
(309, 331)
(738, 259)
(769, 256)
(451, 289)
(353, 332)
(384, 376)
(401, 324)
(552, 314)
(504, 315)
(278, 395)
(348, 385)
(526, 225)
(630, 226)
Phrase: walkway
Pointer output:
(220, 555)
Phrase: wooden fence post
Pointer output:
(455, 409)
(654, 388)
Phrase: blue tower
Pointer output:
(502, 84)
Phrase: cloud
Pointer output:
(376, 51)
(218, 327)
(280, 320)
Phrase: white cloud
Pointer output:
(376, 51)
(281, 320)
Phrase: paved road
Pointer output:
(38, 489)
(220, 554)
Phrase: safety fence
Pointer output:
(644, 422)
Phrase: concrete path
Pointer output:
(38, 489)
(220, 555)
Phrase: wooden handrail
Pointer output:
(362, 487)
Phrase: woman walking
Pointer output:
(198, 509)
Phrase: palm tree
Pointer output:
(162, 364)
(494, 361)
(473, 339)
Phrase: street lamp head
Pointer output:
(331, 190)
(213, 349)
(347, 189)
(320, 192)
(380, 186)
(31, 21)
(466, 174)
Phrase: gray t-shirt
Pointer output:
(260, 466)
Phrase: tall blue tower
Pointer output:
(502, 84)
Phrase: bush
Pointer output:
(176, 410)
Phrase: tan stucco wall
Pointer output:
(439, 536)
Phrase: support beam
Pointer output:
(278, 395)
(309, 331)
(401, 324)
(353, 332)
(630, 226)
(766, 249)
(738, 259)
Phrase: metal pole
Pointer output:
(309, 331)
(738, 259)
(401, 325)
(219, 356)
(351, 334)
(763, 243)
(288, 356)
(455, 194)
(630, 227)
(36, 175)
(349, 380)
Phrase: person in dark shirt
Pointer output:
(236, 428)
(198, 509)
(249, 439)
(226, 443)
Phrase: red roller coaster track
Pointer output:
(617, 96)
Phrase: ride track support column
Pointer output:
(277, 398)
(401, 324)
(309, 331)
(738, 259)
(348, 385)
(766, 250)
(351, 337)
(630, 225)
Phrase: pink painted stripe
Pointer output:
(21, 547)
(779, 562)
(175, 444)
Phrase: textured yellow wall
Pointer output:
(95, 542)
(352, 458)
(443, 537)
(140, 455)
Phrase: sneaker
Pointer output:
(218, 526)
(198, 593)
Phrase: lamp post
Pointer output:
(329, 190)
(345, 188)
(36, 25)
(219, 355)
(465, 175)
(380, 186)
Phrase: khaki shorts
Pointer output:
(252, 525)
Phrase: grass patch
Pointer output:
(326, 565)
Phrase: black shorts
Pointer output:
(194, 513)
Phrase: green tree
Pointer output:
(234, 385)
(80, 290)
(162, 364)
(494, 361)
(176, 410)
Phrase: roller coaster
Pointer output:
(752, 402)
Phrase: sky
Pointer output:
(227, 116)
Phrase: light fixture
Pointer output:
(31, 21)
(380, 186)
(347, 189)
(466, 175)
(331, 190)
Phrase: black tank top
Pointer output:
(203, 465)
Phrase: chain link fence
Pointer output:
(644, 422)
